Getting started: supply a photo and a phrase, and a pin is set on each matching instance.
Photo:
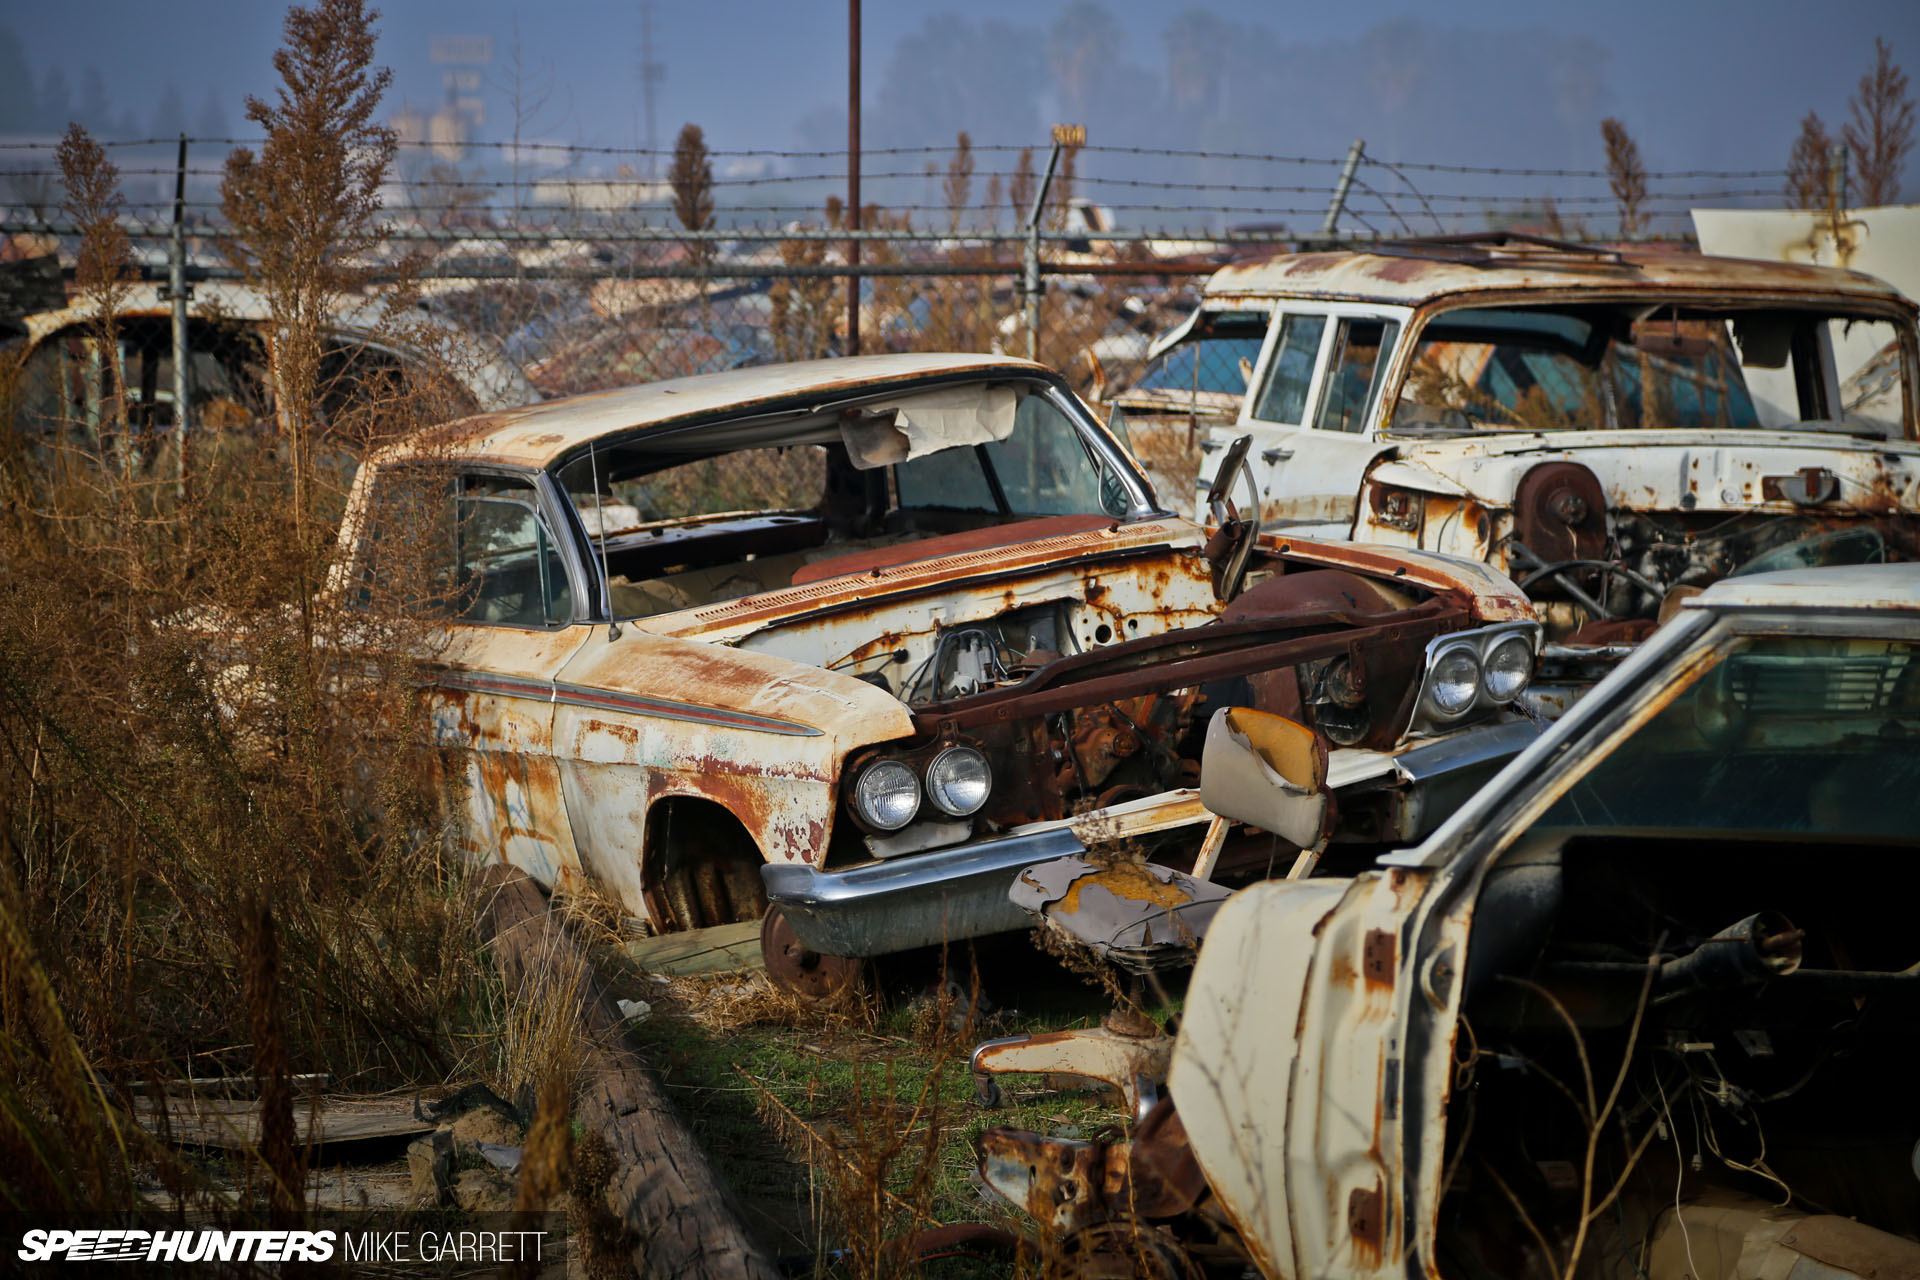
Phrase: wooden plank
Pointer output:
(721, 948)
(679, 1211)
(233, 1124)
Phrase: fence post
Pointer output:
(177, 292)
(1836, 191)
(1331, 226)
(1031, 256)
(853, 174)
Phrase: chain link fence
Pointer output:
(572, 262)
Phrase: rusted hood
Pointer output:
(873, 586)
(1672, 470)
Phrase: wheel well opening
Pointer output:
(700, 866)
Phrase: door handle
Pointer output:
(1275, 455)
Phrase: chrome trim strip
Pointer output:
(608, 700)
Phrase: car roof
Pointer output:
(1881, 587)
(1413, 272)
(538, 435)
(474, 361)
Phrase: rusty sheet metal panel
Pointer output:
(1235, 1055)
(539, 434)
(490, 695)
(1063, 1183)
(1491, 594)
(645, 717)
(1119, 1058)
(1145, 595)
(1653, 470)
(866, 595)
(1384, 277)
(1346, 1084)
(1140, 916)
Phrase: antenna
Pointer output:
(600, 523)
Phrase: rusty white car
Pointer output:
(859, 639)
(1614, 429)
(368, 357)
(1644, 1005)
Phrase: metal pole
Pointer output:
(177, 293)
(1332, 224)
(853, 173)
(1031, 256)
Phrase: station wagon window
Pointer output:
(1284, 397)
(1361, 349)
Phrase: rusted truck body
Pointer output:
(1614, 429)
(1627, 1012)
(862, 638)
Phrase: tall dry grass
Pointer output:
(220, 813)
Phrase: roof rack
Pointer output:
(1494, 248)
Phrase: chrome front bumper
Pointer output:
(949, 895)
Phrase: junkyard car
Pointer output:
(893, 628)
(1611, 428)
(1643, 1006)
(369, 357)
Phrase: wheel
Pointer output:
(806, 974)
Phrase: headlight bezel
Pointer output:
(1480, 644)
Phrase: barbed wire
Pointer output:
(570, 148)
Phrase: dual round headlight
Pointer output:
(1464, 673)
(887, 793)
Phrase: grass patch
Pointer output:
(766, 1085)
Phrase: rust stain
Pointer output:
(1126, 880)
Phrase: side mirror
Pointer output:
(1268, 772)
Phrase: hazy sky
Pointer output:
(1701, 83)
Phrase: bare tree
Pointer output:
(692, 180)
(991, 204)
(959, 185)
(1810, 167)
(1625, 174)
(1020, 190)
(301, 213)
(101, 272)
(1881, 131)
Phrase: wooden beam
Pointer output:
(680, 1212)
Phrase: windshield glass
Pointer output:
(1592, 367)
(1783, 734)
(1045, 467)
(1213, 365)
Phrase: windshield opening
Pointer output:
(718, 512)
(1633, 365)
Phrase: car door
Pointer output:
(1311, 410)
(502, 599)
